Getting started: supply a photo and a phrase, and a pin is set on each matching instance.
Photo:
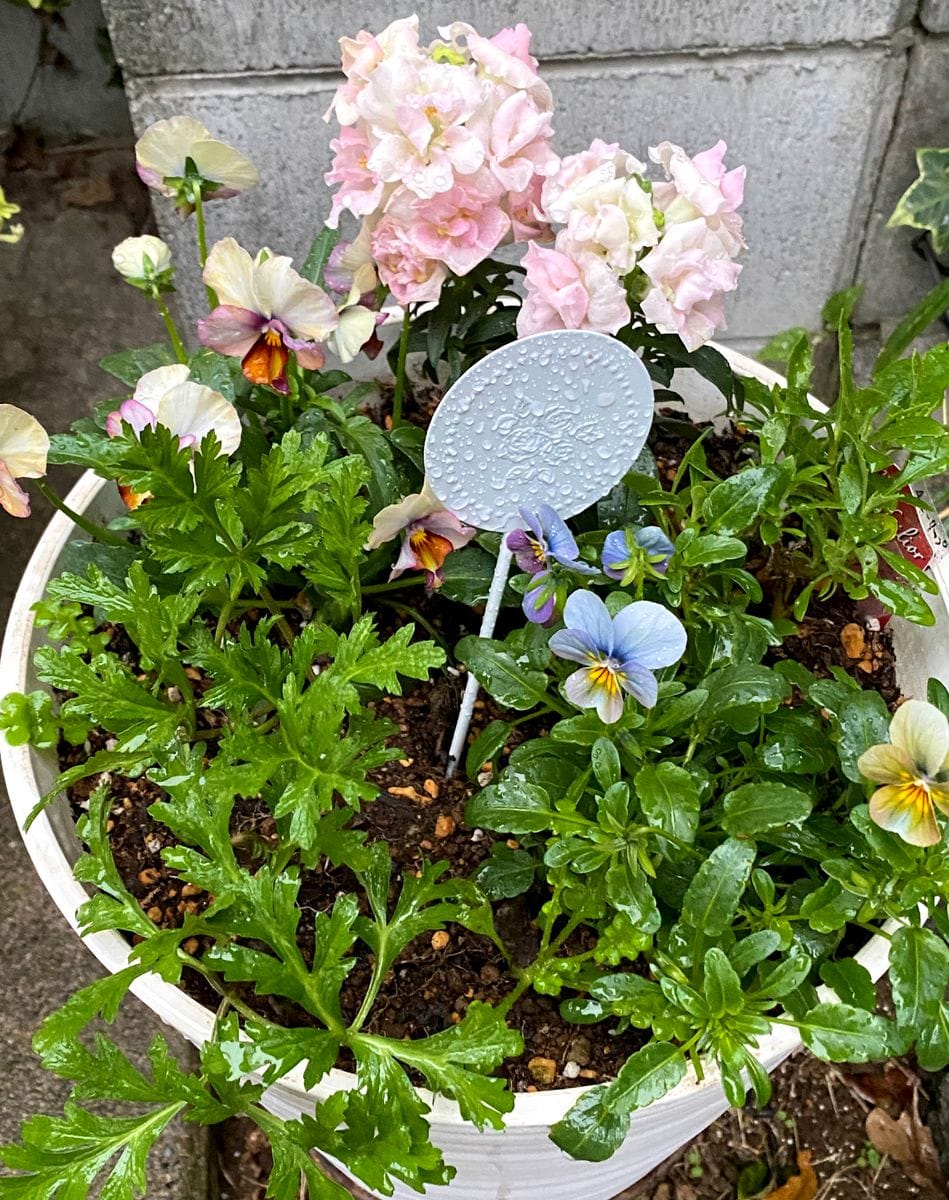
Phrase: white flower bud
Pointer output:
(143, 261)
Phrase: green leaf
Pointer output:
(486, 746)
(722, 986)
(925, 203)
(755, 807)
(511, 684)
(840, 1033)
(507, 873)
(606, 763)
(778, 348)
(467, 576)
(712, 897)
(669, 798)
(511, 806)
(863, 721)
(131, 365)
(851, 981)
(598, 1123)
(919, 976)
(734, 505)
(320, 249)
(932, 306)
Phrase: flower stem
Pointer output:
(202, 241)
(400, 368)
(393, 585)
(90, 527)
(173, 336)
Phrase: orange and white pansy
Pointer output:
(913, 768)
(168, 397)
(265, 310)
(24, 444)
(429, 534)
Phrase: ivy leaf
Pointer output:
(598, 1123)
(925, 203)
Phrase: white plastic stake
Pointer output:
(557, 418)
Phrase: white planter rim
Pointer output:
(173, 1006)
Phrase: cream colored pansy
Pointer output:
(914, 770)
(165, 149)
(265, 310)
(429, 534)
(168, 397)
(24, 444)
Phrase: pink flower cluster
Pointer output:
(682, 233)
(443, 149)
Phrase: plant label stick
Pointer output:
(555, 418)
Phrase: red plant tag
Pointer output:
(920, 539)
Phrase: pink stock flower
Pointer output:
(575, 290)
(410, 275)
(701, 187)
(504, 58)
(361, 191)
(359, 57)
(598, 195)
(528, 221)
(690, 271)
(518, 142)
(460, 227)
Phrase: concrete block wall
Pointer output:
(825, 103)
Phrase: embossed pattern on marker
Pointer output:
(556, 418)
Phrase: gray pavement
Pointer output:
(62, 307)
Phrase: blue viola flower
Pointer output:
(540, 599)
(619, 654)
(546, 538)
(619, 558)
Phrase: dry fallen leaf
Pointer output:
(910, 1143)
(889, 1086)
(802, 1186)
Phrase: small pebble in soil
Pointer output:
(440, 939)
(444, 825)
(571, 1070)
(854, 640)
(543, 1070)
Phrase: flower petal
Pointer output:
(923, 732)
(24, 443)
(886, 764)
(907, 811)
(560, 541)
(230, 330)
(615, 554)
(303, 307)
(650, 634)
(133, 413)
(940, 796)
(191, 408)
(390, 521)
(223, 164)
(164, 146)
(229, 270)
(356, 326)
(151, 387)
(595, 687)
(13, 499)
(446, 525)
(640, 682)
(587, 612)
(657, 546)
(573, 644)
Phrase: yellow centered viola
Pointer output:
(913, 768)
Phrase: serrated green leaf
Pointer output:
(840, 1033)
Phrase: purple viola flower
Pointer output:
(540, 599)
(546, 537)
(619, 558)
(619, 654)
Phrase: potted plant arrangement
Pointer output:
(701, 806)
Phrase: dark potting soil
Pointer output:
(419, 814)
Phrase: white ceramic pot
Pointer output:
(520, 1163)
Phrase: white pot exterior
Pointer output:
(520, 1163)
